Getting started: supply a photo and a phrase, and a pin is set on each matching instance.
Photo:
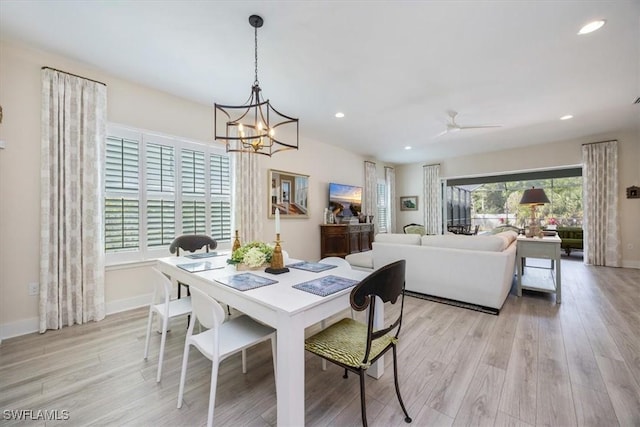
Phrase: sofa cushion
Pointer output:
(404, 239)
(497, 243)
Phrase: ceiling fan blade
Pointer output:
(480, 127)
(444, 132)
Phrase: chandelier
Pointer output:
(255, 127)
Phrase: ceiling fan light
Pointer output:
(591, 27)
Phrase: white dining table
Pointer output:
(282, 307)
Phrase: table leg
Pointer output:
(558, 282)
(290, 374)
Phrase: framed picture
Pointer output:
(409, 203)
(288, 193)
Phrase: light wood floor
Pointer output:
(537, 363)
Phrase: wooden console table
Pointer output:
(546, 248)
(343, 239)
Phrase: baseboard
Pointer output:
(31, 325)
(631, 264)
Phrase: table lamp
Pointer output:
(533, 197)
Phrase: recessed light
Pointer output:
(567, 117)
(592, 26)
(408, 147)
(339, 115)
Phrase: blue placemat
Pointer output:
(326, 285)
(246, 281)
(203, 255)
(194, 267)
(315, 267)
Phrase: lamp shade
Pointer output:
(534, 196)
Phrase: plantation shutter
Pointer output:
(161, 216)
(122, 220)
(194, 219)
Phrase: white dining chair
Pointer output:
(166, 309)
(220, 340)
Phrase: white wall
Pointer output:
(137, 106)
(551, 155)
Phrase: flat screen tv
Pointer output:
(345, 200)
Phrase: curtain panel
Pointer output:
(390, 181)
(370, 189)
(74, 112)
(432, 199)
(600, 198)
(248, 201)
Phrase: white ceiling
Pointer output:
(393, 67)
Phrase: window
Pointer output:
(495, 200)
(157, 188)
(382, 205)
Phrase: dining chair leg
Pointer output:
(363, 406)
(244, 361)
(149, 325)
(183, 374)
(163, 340)
(212, 392)
(407, 418)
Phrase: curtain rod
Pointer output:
(435, 164)
(75, 75)
(599, 142)
(368, 161)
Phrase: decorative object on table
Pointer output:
(253, 255)
(288, 193)
(277, 260)
(409, 203)
(533, 197)
(315, 267)
(633, 192)
(251, 128)
(236, 242)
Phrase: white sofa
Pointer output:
(472, 269)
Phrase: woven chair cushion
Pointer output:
(345, 342)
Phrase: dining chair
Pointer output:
(220, 340)
(191, 243)
(338, 262)
(353, 345)
(166, 309)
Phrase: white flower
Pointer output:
(254, 258)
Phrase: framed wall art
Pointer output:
(289, 194)
(409, 203)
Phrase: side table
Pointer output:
(545, 248)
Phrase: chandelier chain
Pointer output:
(256, 56)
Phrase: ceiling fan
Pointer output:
(453, 126)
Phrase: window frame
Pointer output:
(144, 137)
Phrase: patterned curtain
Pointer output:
(600, 188)
(370, 189)
(432, 200)
(390, 180)
(248, 201)
(74, 112)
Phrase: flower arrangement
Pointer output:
(254, 255)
